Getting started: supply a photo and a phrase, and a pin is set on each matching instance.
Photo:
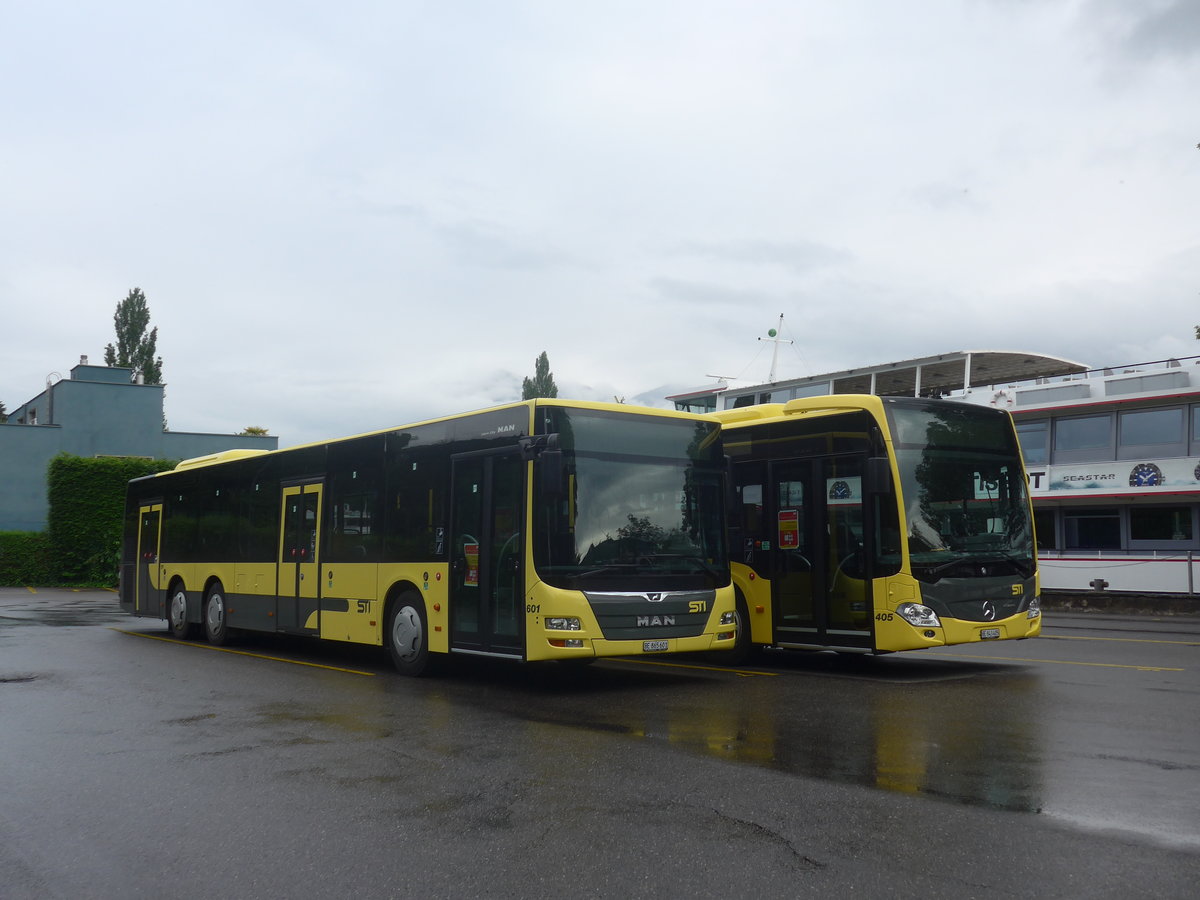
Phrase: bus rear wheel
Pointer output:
(216, 628)
(177, 620)
(408, 634)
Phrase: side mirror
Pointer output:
(879, 475)
(551, 476)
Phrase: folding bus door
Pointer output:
(487, 612)
(819, 584)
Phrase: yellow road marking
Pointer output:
(1065, 637)
(675, 665)
(294, 662)
(31, 590)
(1064, 662)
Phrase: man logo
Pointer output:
(989, 611)
(651, 621)
(654, 598)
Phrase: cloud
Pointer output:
(798, 256)
(349, 218)
(1160, 28)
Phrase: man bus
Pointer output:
(540, 530)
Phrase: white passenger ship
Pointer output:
(1113, 454)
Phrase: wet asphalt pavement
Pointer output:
(132, 765)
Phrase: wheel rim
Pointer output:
(178, 610)
(407, 634)
(215, 613)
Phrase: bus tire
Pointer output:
(408, 634)
(177, 620)
(743, 650)
(216, 627)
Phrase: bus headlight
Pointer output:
(1035, 608)
(727, 618)
(562, 623)
(918, 615)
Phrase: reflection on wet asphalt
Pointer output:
(1085, 745)
(965, 732)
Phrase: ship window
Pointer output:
(1043, 523)
(698, 404)
(1092, 529)
(1151, 432)
(1033, 437)
(1083, 439)
(1160, 525)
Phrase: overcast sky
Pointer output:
(352, 215)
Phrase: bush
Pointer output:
(87, 509)
(24, 558)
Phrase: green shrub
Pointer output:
(24, 558)
(87, 508)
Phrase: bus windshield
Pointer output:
(641, 505)
(964, 491)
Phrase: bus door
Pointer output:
(299, 578)
(819, 585)
(148, 596)
(487, 553)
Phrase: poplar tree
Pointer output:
(542, 384)
(135, 348)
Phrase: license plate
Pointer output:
(989, 634)
(653, 646)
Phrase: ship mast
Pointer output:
(773, 337)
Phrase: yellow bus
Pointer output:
(540, 530)
(873, 524)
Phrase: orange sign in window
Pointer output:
(472, 553)
(789, 529)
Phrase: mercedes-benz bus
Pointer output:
(872, 524)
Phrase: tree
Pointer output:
(135, 348)
(542, 384)
(3, 413)
(253, 429)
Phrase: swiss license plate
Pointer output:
(989, 634)
(653, 646)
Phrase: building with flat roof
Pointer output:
(97, 411)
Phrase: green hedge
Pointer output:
(24, 558)
(87, 508)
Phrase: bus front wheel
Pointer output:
(216, 628)
(408, 634)
(743, 650)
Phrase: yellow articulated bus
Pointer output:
(872, 524)
(541, 530)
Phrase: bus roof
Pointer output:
(230, 455)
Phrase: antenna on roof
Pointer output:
(773, 336)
